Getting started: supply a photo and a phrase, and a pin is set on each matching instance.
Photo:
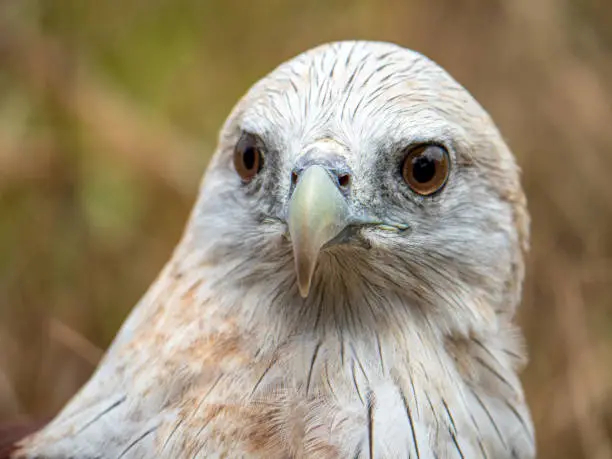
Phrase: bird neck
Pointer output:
(197, 306)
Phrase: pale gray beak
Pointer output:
(318, 212)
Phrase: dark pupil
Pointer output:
(249, 158)
(423, 168)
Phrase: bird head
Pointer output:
(361, 173)
(360, 201)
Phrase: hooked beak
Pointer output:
(318, 212)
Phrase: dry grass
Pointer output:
(108, 111)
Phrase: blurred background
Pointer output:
(109, 112)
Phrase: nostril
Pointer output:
(344, 180)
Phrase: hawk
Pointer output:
(345, 286)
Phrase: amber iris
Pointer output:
(248, 157)
(426, 168)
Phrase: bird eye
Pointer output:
(426, 168)
(248, 156)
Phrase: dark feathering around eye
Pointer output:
(248, 156)
(425, 169)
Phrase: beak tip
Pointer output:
(304, 283)
(304, 291)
